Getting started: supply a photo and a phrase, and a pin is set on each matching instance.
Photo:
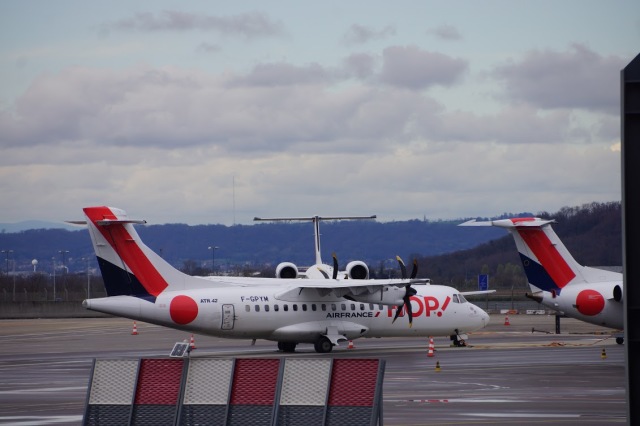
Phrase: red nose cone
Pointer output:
(589, 302)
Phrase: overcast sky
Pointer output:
(216, 112)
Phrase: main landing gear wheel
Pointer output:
(287, 346)
(323, 345)
(620, 340)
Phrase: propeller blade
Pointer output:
(414, 271)
(407, 303)
(335, 266)
(398, 310)
(403, 269)
(410, 291)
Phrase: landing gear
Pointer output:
(323, 345)
(458, 340)
(620, 340)
(287, 346)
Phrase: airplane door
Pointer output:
(228, 315)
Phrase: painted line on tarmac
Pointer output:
(38, 420)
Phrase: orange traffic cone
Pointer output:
(431, 347)
(506, 320)
(192, 343)
(134, 332)
(351, 345)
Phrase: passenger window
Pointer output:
(257, 308)
(333, 306)
(381, 307)
(304, 307)
(247, 308)
(324, 307)
(343, 306)
(276, 308)
(295, 307)
(266, 308)
(313, 306)
(285, 307)
(371, 306)
(353, 306)
(362, 306)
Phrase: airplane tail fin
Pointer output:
(548, 264)
(128, 266)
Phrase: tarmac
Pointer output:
(520, 373)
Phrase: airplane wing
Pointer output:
(473, 293)
(386, 292)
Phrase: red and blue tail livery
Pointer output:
(123, 259)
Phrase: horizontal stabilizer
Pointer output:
(107, 222)
(511, 223)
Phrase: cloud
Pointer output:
(513, 125)
(360, 34)
(148, 139)
(413, 68)
(285, 74)
(208, 47)
(247, 25)
(576, 78)
(445, 32)
(360, 65)
(275, 107)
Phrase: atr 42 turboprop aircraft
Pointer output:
(557, 280)
(142, 286)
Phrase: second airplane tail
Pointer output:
(548, 264)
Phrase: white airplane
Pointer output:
(356, 270)
(142, 286)
(557, 280)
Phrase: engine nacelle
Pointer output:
(391, 296)
(287, 270)
(357, 270)
(617, 293)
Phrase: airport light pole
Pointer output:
(13, 263)
(63, 252)
(53, 260)
(64, 268)
(213, 258)
(88, 278)
(6, 252)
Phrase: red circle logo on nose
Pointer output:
(589, 302)
(183, 310)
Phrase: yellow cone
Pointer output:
(437, 365)
(604, 354)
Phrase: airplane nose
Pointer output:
(484, 318)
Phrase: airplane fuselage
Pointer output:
(273, 313)
(592, 303)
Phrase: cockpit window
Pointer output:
(455, 298)
(462, 299)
